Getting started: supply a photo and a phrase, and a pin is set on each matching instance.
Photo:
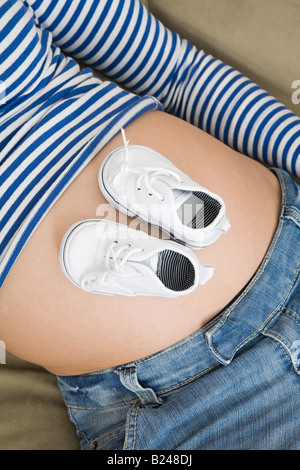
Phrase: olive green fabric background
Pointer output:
(260, 38)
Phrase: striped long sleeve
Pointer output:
(124, 41)
(54, 118)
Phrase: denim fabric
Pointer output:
(232, 385)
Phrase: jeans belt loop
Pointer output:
(128, 377)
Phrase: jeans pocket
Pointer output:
(111, 440)
(100, 428)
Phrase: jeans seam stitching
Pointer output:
(290, 316)
(273, 335)
(107, 434)
(134, 429)
(106, 442)
(295, 212)
(271, 314)
(127, 428)
(128, 402)
(188, 380)
(126, 432)
(293, 311)
(181, 343)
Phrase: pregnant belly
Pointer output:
(47, 320)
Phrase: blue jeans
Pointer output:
(234, 384)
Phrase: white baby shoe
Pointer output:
(107, 258)
(140, 182)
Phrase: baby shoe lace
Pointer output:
(114, 260)
(146, 175)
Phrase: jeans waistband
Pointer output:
(259, 304)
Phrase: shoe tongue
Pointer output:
(152, 262)
(180, 197)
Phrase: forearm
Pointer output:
(125, 42)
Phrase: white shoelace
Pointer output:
(112, 264)
(146, 175)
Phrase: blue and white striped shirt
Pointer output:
(55, 117)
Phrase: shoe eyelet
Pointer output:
(150, 194)
(162, 198)
(139, 188)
